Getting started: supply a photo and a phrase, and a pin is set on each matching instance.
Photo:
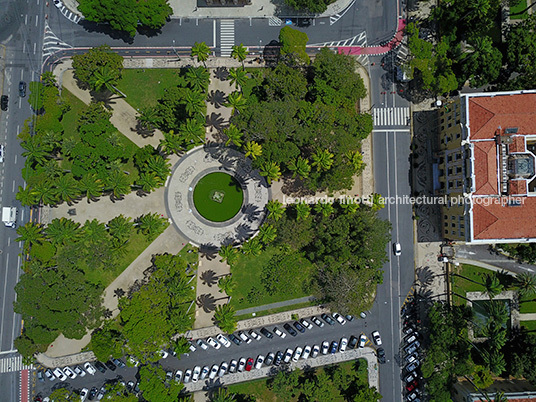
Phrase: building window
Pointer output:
(458, 170)
(449, 158)
(450, 171)
(453, 225)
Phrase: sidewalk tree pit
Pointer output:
(218, 197)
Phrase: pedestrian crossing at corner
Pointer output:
(391, 116)
(275, 22)
(13, 364)
(51, 43)
(70, 15)
(227, 37)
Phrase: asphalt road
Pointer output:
(483, 254)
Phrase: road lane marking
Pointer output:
(26, 20)
(16, 156)
(36, 19)
(21, 74)
(13, 186)
(9, 241)
(35, 46)
(214, 33)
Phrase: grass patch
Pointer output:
(277, 310)
(527, 306)
(462, 285)
(70, 119)
(516, 9)
(250, 291)
(218, 197)
(143, 87)
(529, 325)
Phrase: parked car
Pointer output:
(306, 352)
(178, 375)
(89, 368)
(410, 377)
(269, 359)
(325, 347)
(165, 354)
(412, 338)
(101, 367)
(204, 372)
(328, 319)
(235, 339)
(244, 337)
(288, 356)
(352, 343)
(223, 340)
(306, 323)
(196, 373)
(49, 374)
(412, 385)
(297, 354)
(266, 333)
(69, 373)
(213, 371)
(92, 393)
(214, 343)
(249, 364)
(202, 344)
(397, 249)
(377, 338)
(79, 372)
(130, 385)
(340, 319)
(223, 369)
(233, 366)
(412, 366)
(4, 100)
(333, 348)
(362, 341)
(343, 345)
(349, 317)
(279, 333)
(316, 350)
(187, 376)
(110, 365)
(40, 376)
(22, 89)
(83, 394)
(317, 322)
(408, 330)
(169, 376)
(58, 4)
(60, 375)
(278, 358)
(381, 355)
(242, 364)
(254, 335)
(119, 363)
(412, 397)
(299, 327)
(101, 393)
(290, 330)
(411, 358)
(412, 347)
(259, 361)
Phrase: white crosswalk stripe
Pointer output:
(227, 37)
(70, 15)
(275, 22)
(334, 18)
(51, 43)
(13, 364)
(391, 116)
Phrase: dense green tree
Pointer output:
(192, 133)
(311, 6)
(27, 196)
(154, 386)
(325, 208)
(198, 78)
(271, 171)
(252, 247)
(233, 135)
(171, 143)
(201, 51)
(253, 149)
(222, 395)
(236, 101)
(285, 384)
(86, 65)
(151, 225)
(66, 188)
(104, 78)
(267, 233)
(153, 14)
(91, 186)
(493, 285)
(239, 52)
(322, 159)
(293, 43)
(118, 183)
(275, 209)
(228, 254)
(195, 102)
(62, 231)
(224, 317)
(35, 153)
(237, 77)
(300, 167)
(526, 283)
(30, 233)
(120, 228)
(483, 65)
(107, 342)
(303, 210)
(227, 285)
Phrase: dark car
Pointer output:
(353, 342)
(101, 367)
(334, 347)
(299, 327)
(3, 102)
(290, 330)
(266, 333)
(381, 355)
(278, 358)
(22, 89)
(119, 363)
(110, 365)
(328, 319)
(235, 339)
(412, 348)
(92, 393)
(349, 317)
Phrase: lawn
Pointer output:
(218, 197)
(517, 8)
(461, 285)
(277, 310)
(69, 121)
(143, 87)
(529, 325)
(247, 273)
(527, 305)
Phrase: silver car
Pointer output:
(195, 374)
(223, 369)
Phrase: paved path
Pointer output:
(478, 264)
(527, 317)
(275, 305)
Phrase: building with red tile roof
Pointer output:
(487, 167)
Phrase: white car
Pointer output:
(60, 375)
(241, 364)
(58, 4)
(397, 249)
(325, 347)
(306, 352)
(89, 368)
(340, 319)
(297, 353)
(78, 370)
(187, 376)
(254, 335)
(132, 360)
(49, 374)
(202, 344)
(232, 366)
(213, 372)
(362, 341)
(376, 337)
(244, 337)
(343, 345)
(192, 347)
(195, 374)
(204, 372)
(178, 376)
(306, 323)
(279, 333)
(2, 153)
(69, 373)
(164, 354)
(214, 343)
(223, 369)
(223, 340)
(259, 361)
(83, 394)
(316, 351)
(288, 355)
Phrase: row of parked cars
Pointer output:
(411, 347)
(271, 358)
(77, 371)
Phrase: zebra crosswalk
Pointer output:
(51, 43)
(391, 116)
(275, 22)
(69, 14)
(359, 40)
(13, 364)
(227, 37)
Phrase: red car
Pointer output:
(411, 386)
(249, 364)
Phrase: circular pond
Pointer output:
(218, 197)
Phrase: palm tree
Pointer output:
(148, 181)
(151, 225)
(160, 166)
(30, 233)
(105, 77)
(35, 153)
(325, 208)
(227, 285)
(276, 210)
(253, 149)
(63, 231)
(198, 78)
(238, 77)
(239, 52)
(303, 210)
(322, 159)
(224, 317)
(118, 183)
(300, 167)
(91, 186)
(355, 158)
(67, 188)
(236, 101)
(45, 193)
(120, 228)
(222, 395)
(171, 143)
(495, 361)
(526, 284)
(201, 51)
(48, 79)
(149, 118)
(50, 140)
(192, 133)
(271, 170)
(252, 247)
(52, 169)
(233, 135)
(94, 232)
(228, 254)
(195, 102)
(27, 196)
(267, 233)
(350, 207)
(493, 285)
